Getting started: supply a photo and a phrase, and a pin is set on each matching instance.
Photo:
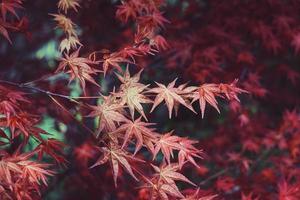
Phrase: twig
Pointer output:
(45, 77)
(216, 175)
(80, 123)
(264, 154)
(26, 86)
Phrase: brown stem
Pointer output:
(216, 175)
(26, 86)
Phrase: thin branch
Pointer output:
(66, 110)
(45, 77)
(26, 86)
(214, 176)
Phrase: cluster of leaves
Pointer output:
(21, 174)
(20, 177)
(10, 20)
(117, 130)
(110, 127)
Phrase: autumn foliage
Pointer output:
(140, 99)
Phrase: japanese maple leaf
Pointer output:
(170, 95)
(186, 92)
(34, 171)
(65, 24)
(207, 93)
(162, 190)
(168, 143)
(8, 167)
(65, 5)
(132, 94)
(288, 191)
(292, 119)
(114, 60)
(53, 148)
(197, 196)
(110, 114)
(162, 185)
(165, 190)
(188, 152)
(146, 49)
(10, 100)
(10, 6)
(170, 174)
(19, 165)
(78, 67)
(231, 90)
(144, 32)
(141, 131)
(130, 81)
(116, 156)
(130, 52)
(23, 123)
(69, 43)
(126, 10)
(160, 43)
(153, 19)
(13, 96)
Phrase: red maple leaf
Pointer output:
(168, 143)
(288, 191)
(10, 6)
(78, 67)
